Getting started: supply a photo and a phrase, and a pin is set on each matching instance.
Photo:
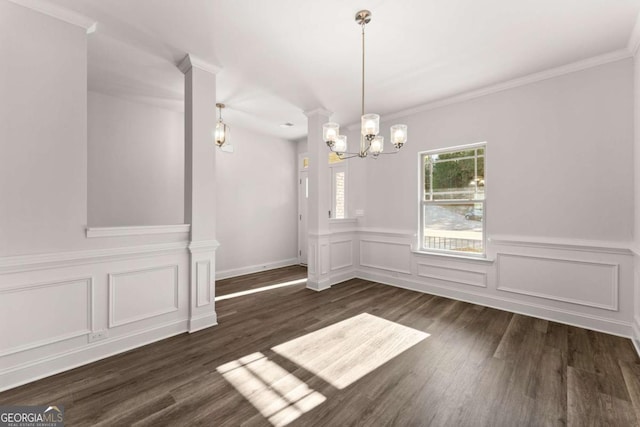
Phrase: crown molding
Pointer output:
(595, 61)
(60, 13)
(190, 61)
(318, 112)
(634, 39)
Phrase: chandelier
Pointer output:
(221, 133)
(370, 141)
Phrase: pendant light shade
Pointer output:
(221, 133)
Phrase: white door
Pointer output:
(303, 198)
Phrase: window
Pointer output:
(338, 192)
(452, 214)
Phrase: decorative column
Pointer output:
(319, 251)
(200, 188)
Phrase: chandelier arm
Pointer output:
(350, 156)
(390, 152)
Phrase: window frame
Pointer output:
(422, 202)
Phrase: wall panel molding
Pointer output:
(402, 257)
(537, 272)
(150, 287)
(30, 301)
(203, 283)
(452, 274)
(569, 317)
(25, 263)
(341, 254)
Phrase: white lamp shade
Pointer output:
(398, 135)
(377, 145)
(370, 125)
(340, 145)
(220, 133)
(330, 132)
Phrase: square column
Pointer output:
(319, 251)
(200, 188)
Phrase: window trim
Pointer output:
(421, 203)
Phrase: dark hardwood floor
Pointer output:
(477, 367)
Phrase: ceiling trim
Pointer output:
(634, 38)
(191, 61)
(55, 11)
(595, 61)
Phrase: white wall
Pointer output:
(257, 203)
(81, 288)
(559, 209)
(136, 163)
(559, 157)
(43, 131)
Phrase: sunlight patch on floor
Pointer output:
(262, 289)
(277, 394)
(348, 350)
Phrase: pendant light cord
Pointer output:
(363, 24)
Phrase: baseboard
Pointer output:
(600, 324)
(318, 286)
(226, 274)
(57, 363)
(202, 322)
(635, 339)
(342, 276)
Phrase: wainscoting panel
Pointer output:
(592, 284)
(158, 285)
(341, 254)
(325, 257)
(203, 283)
(312, 259)
(454, 275)
(66, 303)
(385, 255)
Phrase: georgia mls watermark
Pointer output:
(32, 416)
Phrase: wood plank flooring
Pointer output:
(477, 367)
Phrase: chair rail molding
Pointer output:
(24, 263)
(138, 230)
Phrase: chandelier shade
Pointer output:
(370, 140)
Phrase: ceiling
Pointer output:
(282, 57)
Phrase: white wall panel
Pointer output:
(141, 294)
(592, 284)
(203, 283)
(386, 255)
(451, 274)
(65, 307)
(341, 254)
(325, 260)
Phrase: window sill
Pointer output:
(455, 256)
